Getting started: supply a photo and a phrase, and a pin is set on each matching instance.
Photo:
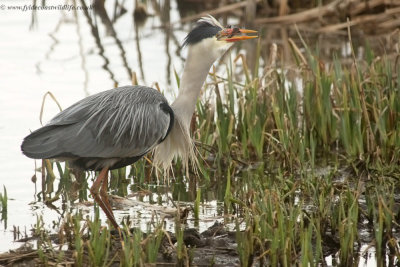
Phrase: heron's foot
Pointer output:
(107, 211)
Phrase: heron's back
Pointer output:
(112, 129)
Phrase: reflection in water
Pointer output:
(33, 17)
(139, 52)
(95, 33)
(81, 52)
(140, 13)
(164, 14)
(101, 11)
(54, 39)
(119, 11)
(166, 20)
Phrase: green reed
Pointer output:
(3, 205)
(98, 245)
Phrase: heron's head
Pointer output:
(210, 37)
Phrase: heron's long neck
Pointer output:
(178, 142)
(195, 73)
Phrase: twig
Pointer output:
(213, 12)
(43, 102)
(368, 5)
(385, 16)
(309, 14)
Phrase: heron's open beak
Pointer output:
(235, 34)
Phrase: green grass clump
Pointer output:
(282, 133)
(351, 110)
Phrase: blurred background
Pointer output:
(77, 48)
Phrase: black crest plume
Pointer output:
(206, 27)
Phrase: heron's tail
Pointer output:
(42, 143)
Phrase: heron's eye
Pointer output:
(235, 30)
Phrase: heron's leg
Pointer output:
(104, 194)
(95, 193)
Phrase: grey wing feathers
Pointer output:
(121, 122)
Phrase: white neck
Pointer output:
(178, 143)
(198, 64)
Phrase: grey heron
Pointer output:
(117, 127)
